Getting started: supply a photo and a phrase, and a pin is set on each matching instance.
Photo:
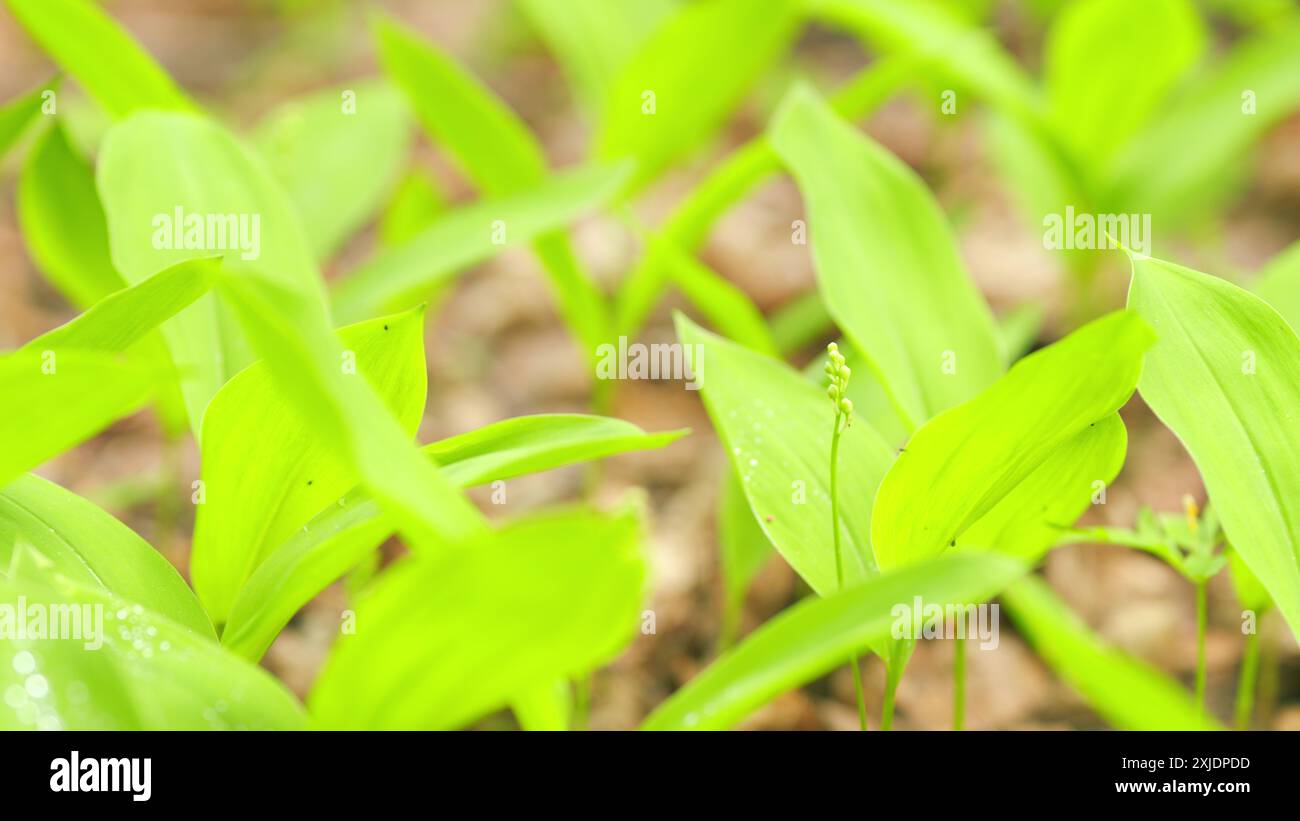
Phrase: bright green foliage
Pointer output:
(1130, 695)
(1225, 377)
(17, 114)
(688, 76)
(57, 199)
(973, 455)
(91, 47)
(90, 547)
(776, 428)
(816, 635)
(414, 205)
(887, 264)
(337, 153)
(403, 275)
(154, 164)
(557, 595)
(744, 550)
(150, 673)
(594, 39)
(1279, 285)
(266, 474)
(66, 398)
(343, 534)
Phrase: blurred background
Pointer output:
(497, 347)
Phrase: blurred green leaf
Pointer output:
(18, 113)
(58, 399)
(743, 547)
(724, 304)
(1130, 695)
(404, 274)
(92, 548)
(544, 708)
(594, 39)
(99, 54)
(442, 641)
(313, 144)
(414, 205)
(342, 535)
(266, 473)
(776, 428)
(1279, 284)
(974, 455)
(1225, 378)
(688, 77)
(887, 262)
(160, 170)
(816, 635)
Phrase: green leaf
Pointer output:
(58, 399)
(154, 165)
(697, 65)
(1130, 695)
(744, 549)
(121, 319)
(776, 428)
(1027, 522)
(594, 39)
(99, 54)
(18, 113)
(414, 206)
(1097, 46)
(1155, 174)
(727, 307)
(266, 473)
(973, 455)
(313, 144)
(1018, 329)
(57, 200)
(145, 671)
(90, 547)
(1251, 593)
(544, 708)
(1225, 378)
(442, 641)
(816, 635)
(404, 274)
(304, 358)
(497, 152)
(1279, 284)
(342, 535)
(887, 262)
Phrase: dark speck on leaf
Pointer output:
(953, 543)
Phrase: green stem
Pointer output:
(839, 562)
(1246, 680)
(167, 512)
(891, 687)
(581, 701)
(1200, 644)
(959, 684)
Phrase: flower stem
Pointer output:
(1246, 680)
(959, 684)
(891, 687)
(1200, 643)
(839, 561)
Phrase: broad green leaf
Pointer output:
(145, 672)
(887, 262)
(816, 635)
(315, 147)
(497, 152)
(342, 535)
(973, 455)
(776, 428)
(266, 473)
(18, 113)
(92, 548)
(688, 77)
(404, 274)
(1018, 329)
(123, 318)
(1097, 46)
(1225, 378)
(159, 171)
(442, 641)
(1029, 520)
(414, 205)
(304, 358)
(594, 39)
(99, 54)
(1156, 174)
(58, 399)
(1279, 284)
(56, 201)
(544, 708)
(1251, 593)
(1129, 694)
(744, 550)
